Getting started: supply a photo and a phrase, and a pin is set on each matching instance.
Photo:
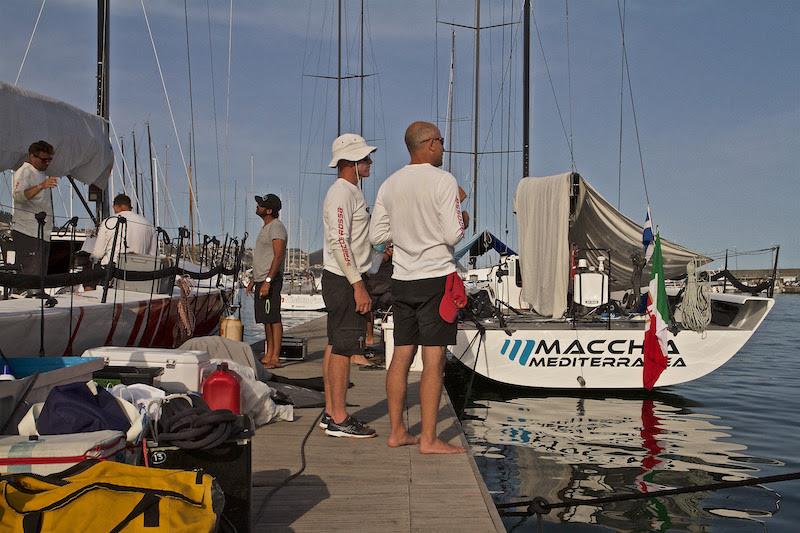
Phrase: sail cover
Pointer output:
(548, 227)
(82, 148)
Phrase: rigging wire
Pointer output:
(633, 112)
(214, 113)
(30, 41)
(192, 148)
(169, 107)
(125, 166)
(552, 85)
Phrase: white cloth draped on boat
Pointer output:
(542, 208)
(80, 139)
(546, 232)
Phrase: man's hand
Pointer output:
(361, 296)
(264, 290)
(49, 183)
(465, 218)
(250, 286)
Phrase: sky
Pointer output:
(715, 86)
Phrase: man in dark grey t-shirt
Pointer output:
(267, 282)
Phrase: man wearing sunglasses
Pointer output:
(418, 208)
(346, 257)
(33, 194)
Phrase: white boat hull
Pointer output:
(132, 320)
(553, 355)
(302, 302)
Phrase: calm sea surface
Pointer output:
(739, 422)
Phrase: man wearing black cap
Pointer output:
(268, 276)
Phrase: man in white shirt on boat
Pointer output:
(136, 235)
(418, 208)
(346, 258)
(33, 194)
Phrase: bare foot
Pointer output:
(271, 363)
(439, 446)
(404, 439)
(359, 360)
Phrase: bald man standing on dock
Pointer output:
(418, 208)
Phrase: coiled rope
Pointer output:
(696, 304)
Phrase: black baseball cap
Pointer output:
(269, 201)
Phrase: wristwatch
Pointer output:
(268, 279)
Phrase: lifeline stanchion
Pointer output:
(540, 506)
(41, 216)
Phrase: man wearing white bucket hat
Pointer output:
(346, 256)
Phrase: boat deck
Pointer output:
(362, 485)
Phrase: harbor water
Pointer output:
(737, 423)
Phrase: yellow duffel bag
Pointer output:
(107, 496)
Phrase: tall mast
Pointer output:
(136, 172)
(475, 117)
(95, 193)
(526, 83)
(361, 76)
(450, 101)
(152, 178)
(339, 77)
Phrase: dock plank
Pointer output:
(363, 485)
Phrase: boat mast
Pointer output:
(339, 76)
(361, 75)
(135, 171)
(361, 84)
(95, 193)
(449, 119)
(152, 179)
(526, 81)
(475, 117)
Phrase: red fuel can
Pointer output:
(221, 389)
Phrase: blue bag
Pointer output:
(75, 408)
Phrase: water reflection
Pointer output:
(577, 448)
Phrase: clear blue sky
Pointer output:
(716, 86)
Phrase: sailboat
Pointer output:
(145, 306)
(557, 325)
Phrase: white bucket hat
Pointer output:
(350, 147)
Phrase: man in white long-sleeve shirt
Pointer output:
(419, 210)
(346, 256)
(136, 236)
(32, 195)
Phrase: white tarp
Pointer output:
(546, 233)
(542, 208)
(82, 148)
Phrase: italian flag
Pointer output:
(656, 334)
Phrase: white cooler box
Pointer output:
(183, 369)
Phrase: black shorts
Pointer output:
(347, 328)
(416, 313)
(268, 309)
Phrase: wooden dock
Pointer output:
(361, 484)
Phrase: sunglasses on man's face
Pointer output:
(44, 159)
